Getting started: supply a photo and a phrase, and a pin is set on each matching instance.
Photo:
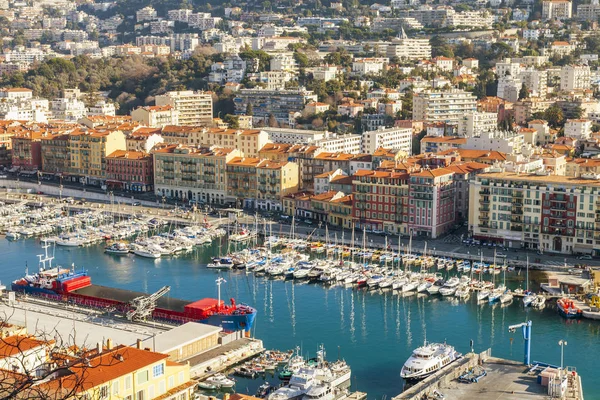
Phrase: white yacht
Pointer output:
(300, 383)
(146, 253)
(428, 359)
(450, 287)
(221, 381)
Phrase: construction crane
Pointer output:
(526, 327)
(143, 306)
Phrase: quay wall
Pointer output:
(443, 377)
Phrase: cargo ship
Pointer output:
(75, 287)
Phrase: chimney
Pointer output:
(99, 347)
(226, 396)
(139, 343)
(109, 344)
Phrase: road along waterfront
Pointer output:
(375, 331)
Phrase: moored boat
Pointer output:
(428, 359)
(568, 309)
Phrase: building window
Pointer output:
(142, 377)
(139, 395)
(115, 387)
(127, 382)
(158, 370)
(104, 392)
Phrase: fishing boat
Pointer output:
(568, 309)
(118, 249)
(428, 359)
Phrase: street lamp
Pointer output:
(562, 343)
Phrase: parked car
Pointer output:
(136, 203)
(585, 257)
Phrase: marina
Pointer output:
(354, 288)
(352, 319)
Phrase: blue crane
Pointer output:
(526, 327)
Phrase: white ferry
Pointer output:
(428, 359)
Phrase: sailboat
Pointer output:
(495, 294)
(507, 296)
(529, 297)
(483, 293)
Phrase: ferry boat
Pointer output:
(428, 359)
(69, 285)
(568, 309)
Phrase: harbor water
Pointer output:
(374, 331)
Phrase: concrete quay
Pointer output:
(505, 380)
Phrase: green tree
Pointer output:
(249, 110)
(554, 116)
(232, 120)
(524, 92)
(301, 59)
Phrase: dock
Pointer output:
(504, 380)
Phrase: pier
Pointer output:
(504, 380)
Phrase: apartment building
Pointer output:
(575, 77)
(432, 207)
(412, 49)
(556, 9)
(55, 153)
(88, 151)
(122, 372)
(439, 106)
(464, 172)
(504, 141)
(27, 150)
(279, 103)
(248, 141)
(552, 213)
(192, 173)
(476, 122)
(129, 170)
(578, 129)
(156, 116)
(350, 143)
(397, 139)
(381, 201)
(255, 183)
(193, 108)
(435, 144)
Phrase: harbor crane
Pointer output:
(526, 328)
(143, 306)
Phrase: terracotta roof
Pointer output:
(346, 200)
(444, 139)
(244, 161)
(334, 156)
(300, 196)
(432, 173)
(325, 196)
(477, 154)
(341, 180)
(130, 155)
(379, 174)
(541, 179)
(106, 367)
(467, 167)
(382, 152)
(13, 345)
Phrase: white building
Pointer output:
(351, 144)
(508, 67)
(535, 80)
(102, 108)
(480, 19)
(284, 62)
(508, 88)
(575, 77)
(556, 9)
(325, 72)
(502, 141)
(156, 116)
(475, 123)
(146, 14)
(397, 139)
(295, 136)
(68, 109)
(443, 106)
(366, 66)
(578, 128)
(193, 108)
(413, 49)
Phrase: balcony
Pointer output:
(517, 195)
(484, 209)
(484, 200)
(484, 217)
(516, 219)
(559, 200)
(516, 228)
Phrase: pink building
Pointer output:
(27, 150)
(431, 207)
(130, 170)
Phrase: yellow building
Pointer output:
(248, 141)
(88, 151)
(191, 173)
(256, 183)
(123, 373)
(275, 180)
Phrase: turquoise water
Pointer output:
(374, 331)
